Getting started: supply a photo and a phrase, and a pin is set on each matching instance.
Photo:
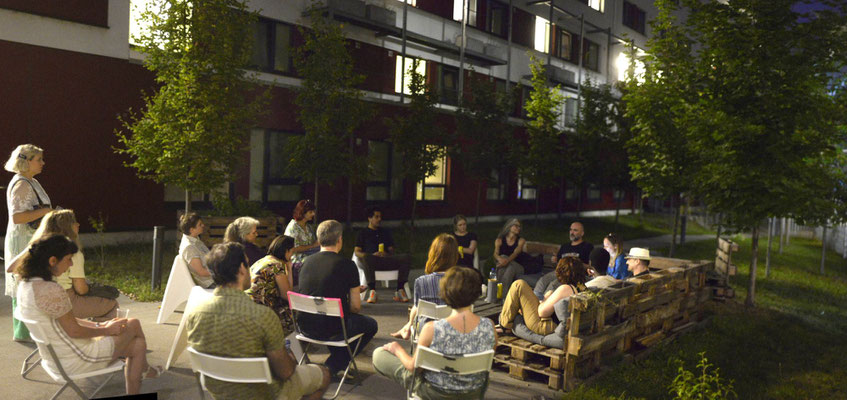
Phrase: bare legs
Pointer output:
(132, 345)
(405, 332)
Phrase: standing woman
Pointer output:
(305, 241)
(617, 264)
(243, 230)
(27, 202)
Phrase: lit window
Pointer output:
(457, 11)
(434, 187)
(622, 65)
(526, 189)
(595, 4)
(412, 3)
(542, 34)
(403, 78)
(270, 179)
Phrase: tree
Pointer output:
(544, 149)
(330, 107)
(660, 160)
(758, 123)
(484, 136)
(193, 129)
(416, 137)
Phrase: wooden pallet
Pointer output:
(526, 359)
(533, 370)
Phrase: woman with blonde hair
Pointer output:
(63, 222)
(443, 254)
(243, 230)
(27, 202)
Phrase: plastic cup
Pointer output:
(122, 313)
(382, 247)
(461, 251)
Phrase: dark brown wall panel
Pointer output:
(523, 27)
(89, 12)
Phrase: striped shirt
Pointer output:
(426, 288)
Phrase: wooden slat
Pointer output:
(727, 246)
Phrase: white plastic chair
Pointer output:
(45, 349)
(380, 276)
(197, 296)
(428, 310)
(237, 370)
(476, 259)
(431, 360)
(328, 307)
(177, 291)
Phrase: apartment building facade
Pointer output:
(69, 72)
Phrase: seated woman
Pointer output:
(443, 253)
(80, 345)
(192, 249)
(84, 304)
(243, 230)
(270, 279)
(305, 241)
(617, 264)
(461, 333)
(510, 260)
(537, 314)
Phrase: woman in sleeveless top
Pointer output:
(537, 314)
(461, 333)
(305, 241)
(80, 345)
(27, 202)
(508, 249)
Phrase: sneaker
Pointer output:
(372, 297)
(400, 296)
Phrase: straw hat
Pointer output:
(639, 253)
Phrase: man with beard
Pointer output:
(577, 246)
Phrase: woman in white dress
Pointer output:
(305, 241)
(27, 202)
(79, 344)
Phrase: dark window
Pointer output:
(591, 56)
(270, 179)
(565, 45)
(383, 166)
(271, 47)
(497, 183)
(634, 17)
(448, 85)
(593, 193)
(498, 18)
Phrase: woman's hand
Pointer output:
(116, 326)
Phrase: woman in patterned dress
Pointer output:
(305, 241)
(271, 280)
(27, 202)
(463, 332)
(80, 345)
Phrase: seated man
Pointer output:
(375, 248)
(637, 261)
(577, 246)
(327, 274)
(231, 325)
(598, 267)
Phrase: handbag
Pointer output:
(37, 222)
(105, 291)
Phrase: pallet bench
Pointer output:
(523, 358)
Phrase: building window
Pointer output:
(448, 85)
(383, 165)
(593, 193)
(404, 77)
(526, 189)
(457, 11)
(271, 46)
(571, 111)
(413, 3)
(595, 4)
(565, 45)
(591, 56)
(498, 18)
(434, 187)
(497, 182)
(542, 35)
(570, 194)
(270, 180)
(634, 17)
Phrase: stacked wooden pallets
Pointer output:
(524, 358)
(724, 269)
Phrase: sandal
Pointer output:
(157, 369)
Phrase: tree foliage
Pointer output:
(330, 105)
(543, 155)
(193, 129)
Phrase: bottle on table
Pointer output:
(491, 291)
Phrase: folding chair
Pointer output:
(36, 332)
(26, 367)
(431, 360)
(196, 296)
(179, 286)
(237, 370)
(428, 310)
(329, 307)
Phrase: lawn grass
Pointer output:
(791, 346)
(128, 267)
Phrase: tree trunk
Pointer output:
(640, 208)
(561, 198)
(789, 225)
(579, 203)
(754, 249)
(478, 200)
(350, 189)
(781, 233)
(536, 207)
(316, 198)
(187, 201)
(675, 208)
(771, 223)
(618, 201)
(412, 226)
(683, 224)
(823, 251)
